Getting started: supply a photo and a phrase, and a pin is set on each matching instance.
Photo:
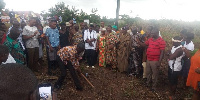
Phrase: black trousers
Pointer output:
(90, 55)
(63, 68)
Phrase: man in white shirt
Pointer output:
(90, 38)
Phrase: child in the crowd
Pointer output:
(175, 66)
(188, 47)
(155, 52)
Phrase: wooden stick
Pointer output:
(47, 77)
(87, 80)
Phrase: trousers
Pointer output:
(72, 71)
(33, 56)
(90, 55)
(152, 73)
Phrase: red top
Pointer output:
(3, 38)
(154, 47)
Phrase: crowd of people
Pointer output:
(129, 50)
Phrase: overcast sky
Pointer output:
(187, 10)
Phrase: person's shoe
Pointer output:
(93, 67)
(79, 88)
(87, 66)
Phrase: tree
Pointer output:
(117, 12)
(69, 13)
(2, 5)
(94, 18)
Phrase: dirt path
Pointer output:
(110, 85)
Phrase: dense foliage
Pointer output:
(2, 5)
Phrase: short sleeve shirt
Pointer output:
(53, 35)
(189, 46)
(154, 47)
(31, 42)
(89, 35)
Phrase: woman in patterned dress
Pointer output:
(78, 37)
(110, 48)
(101, 45)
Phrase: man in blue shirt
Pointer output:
(52, 36)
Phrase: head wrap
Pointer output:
(173, 40)
(114, 26)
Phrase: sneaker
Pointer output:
(87, 66)
(93, 67)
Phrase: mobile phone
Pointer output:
(45, 91)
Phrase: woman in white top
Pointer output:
(175, 66)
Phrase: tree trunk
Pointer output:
(117, 12)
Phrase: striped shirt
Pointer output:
(154, 47)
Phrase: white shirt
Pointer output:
(88, 35)
(9, 60)
(31, 42)
(189, 46)
(177, 61)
